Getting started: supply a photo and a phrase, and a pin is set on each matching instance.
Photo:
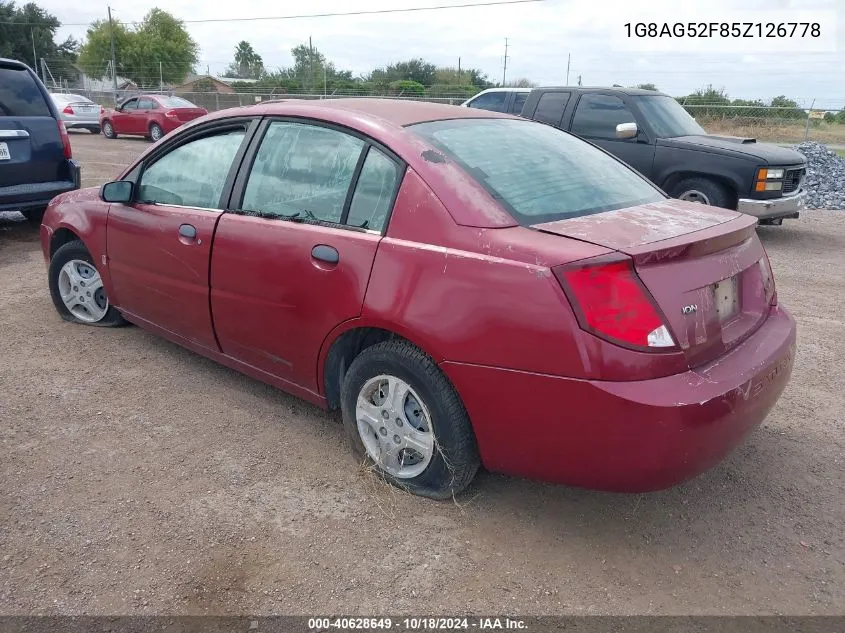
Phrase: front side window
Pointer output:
(193, 174)
(537, 172)
(373, 197)
(596, 116)
(302, 171)
(494, 101)
(132, 104)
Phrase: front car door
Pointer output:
(293, 260)
(159, 246)
(595, 119)
(122, 121)
(141, 121)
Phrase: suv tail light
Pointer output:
(65, 140)
(611, 302)
(67, 110)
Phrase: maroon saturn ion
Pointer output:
(467, 287)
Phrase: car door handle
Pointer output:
(325, 253)
(188, 230)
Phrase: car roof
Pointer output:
(504, 90)
(398, 112)
(627, 91)
(12, 63)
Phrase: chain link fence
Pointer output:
(789, 124)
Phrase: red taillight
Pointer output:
(611, 302)
(65, 140)
(171, 114)
(68, 110)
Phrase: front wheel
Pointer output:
(108, 130)
(404, 417)
(77, 288)
(156, 132)
(704, 191)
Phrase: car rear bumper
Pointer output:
(81, 120)
(626, 436)
(785, 207)
(39, 194)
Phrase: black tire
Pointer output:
(66, 252)
(705, 190)
(455, 460)
(156, 132)
(108, 130)
(34, 216)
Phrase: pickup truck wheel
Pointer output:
(704, 191)
(406, 421)
(77, 288)
(156, 132)
(108, 130)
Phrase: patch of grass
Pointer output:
(841, 152)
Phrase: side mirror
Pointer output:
(626, 130)
(117, 191)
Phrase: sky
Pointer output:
(541, 35)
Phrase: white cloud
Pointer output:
(540, 37)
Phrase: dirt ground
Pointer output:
(138, 477)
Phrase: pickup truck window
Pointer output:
(597, 115)
(494, 101)
(538, 173)
(550, 107)
(667, 117)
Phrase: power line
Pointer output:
(304, 16)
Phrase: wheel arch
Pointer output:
(62, 236)
(672, 179)
(346, 342)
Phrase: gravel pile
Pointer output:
(825, 181)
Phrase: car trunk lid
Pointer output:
(704, 266)
(188, 114)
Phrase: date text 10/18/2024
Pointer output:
(417, 624)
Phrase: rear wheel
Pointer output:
(77, 288)
(108, 130)
(405, 419)
(156, 132)
(94, 130)
(704, 191)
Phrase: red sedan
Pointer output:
(466, 286)
(151, 116)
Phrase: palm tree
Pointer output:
(248, 64)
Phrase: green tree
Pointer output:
(160, 41)
(647, 87)
(418, 70)
(522, 82)
(248, 64)
(21, 27)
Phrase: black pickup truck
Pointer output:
(655, 135)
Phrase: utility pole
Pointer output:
(43, 71)
(505, 69)
(568, 59)
(459, 71)
(160, 78)
(310, 63)
(34, 56)
(579, 80)
(113, 62)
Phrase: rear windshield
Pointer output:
(19, 94)
(175, 102)
(537, 172)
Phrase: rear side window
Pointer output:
(538, 173)
(550, 108)
(597, 116)
(493, 101)
(374, 192)
(518, 101)
(20, 95)
(302, 171)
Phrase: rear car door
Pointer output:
(595, 119)
(34, 163)
(122, 119)
(159, 246)
(293, 261)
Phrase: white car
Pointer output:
(77, 112)
(508, 100)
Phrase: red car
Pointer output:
(466, 286)
(151, 116)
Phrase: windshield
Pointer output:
(175, 102)
(667, 117)
(537, 172)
